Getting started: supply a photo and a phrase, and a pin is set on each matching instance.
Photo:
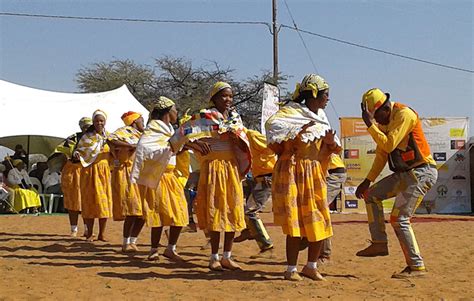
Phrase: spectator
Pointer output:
(25, 195)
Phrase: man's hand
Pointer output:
(366, 115)
(362, 188)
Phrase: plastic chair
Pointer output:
(47, 199)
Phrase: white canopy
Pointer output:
(32, 112)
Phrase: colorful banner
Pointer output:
(271, 97)
(447, 138)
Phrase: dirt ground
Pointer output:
(38, 260)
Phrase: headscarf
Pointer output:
(219, 86)
(130, 117)
(85, 122)
(99, 112)
(310, 82)
(163, 103)
(17, 162)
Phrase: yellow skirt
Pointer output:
(71, 185)
(166, 205)
(299, 199)
(220, 197)
(25, 198)
(125, 195)
(96, 191)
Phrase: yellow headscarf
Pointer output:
(99, 112)
(130, 117)
(310, 82)
(219, 86)
(163, 103)
(17, 162)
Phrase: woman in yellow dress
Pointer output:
(71, 175)
(164, 203)
(300, 135)
(127, 204)
(223, 152)
(25, 196)
(96, 191)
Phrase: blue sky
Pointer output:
(46, 53)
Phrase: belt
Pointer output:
(425, 165)
(337, 170)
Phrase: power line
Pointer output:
(301, 37)
(378, 50)
(135, 19)
(307, 52)
(237, 23)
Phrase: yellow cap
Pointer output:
(374, 99)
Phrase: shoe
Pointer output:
(215, 265)
(244, 235)
(267, 252)
(74, 234)
(375, 249)
(228, 263)
(292, 276)
(172, 255)
(153, 256)
(323, 261)
(312, 274)
(409, 272)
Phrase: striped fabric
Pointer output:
(210, 123)
(287, 123)
(153, 154)
(90, 146)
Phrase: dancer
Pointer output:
(217, 134)
(400, 141)
(164, 203)
(96, 192)
(301, 136)
(127, 204)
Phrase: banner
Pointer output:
(271, 97)
(447, 138)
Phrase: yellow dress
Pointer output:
(220, 197)
(299, 191)
(125, 195)
(71, 185)
(96, 191)
(25, 198)
(165, 205)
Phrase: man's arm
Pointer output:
(402, 124)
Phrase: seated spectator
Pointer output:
(20, 154)
(25, 195)
(5, 189)
(38, 172)
(52, 182)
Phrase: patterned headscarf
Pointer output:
(163, 103)
(310, 82)
(85, 122)
(130, 117)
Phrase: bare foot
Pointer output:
(102, 238)
(90, 238)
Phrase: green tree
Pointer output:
(177, 79)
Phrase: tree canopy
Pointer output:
(179, 80)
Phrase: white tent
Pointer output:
(28, 113)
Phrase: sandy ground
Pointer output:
(38, 260)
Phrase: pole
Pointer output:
(275, 42)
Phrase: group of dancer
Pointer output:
(131, 175)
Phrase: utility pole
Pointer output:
(275, 42)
